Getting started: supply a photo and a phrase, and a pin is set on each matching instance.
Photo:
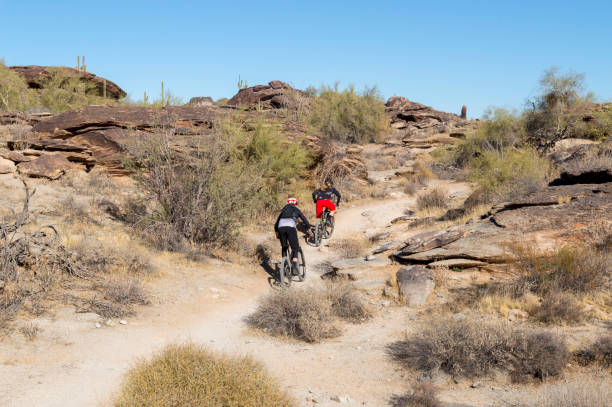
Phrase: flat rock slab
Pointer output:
(480, 247)
(459, 263)
(392, 245)
(51, 166)
(431, 240)
(415, 283)
(14, 156)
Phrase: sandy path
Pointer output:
(75, 364)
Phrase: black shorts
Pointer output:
(288, 237)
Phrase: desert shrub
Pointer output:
(580, 392)
(65, 90)
(577, 270)
(558, 111)
(558, 308)
(473, 349)
(347, 304)
(348, 115)
(514, 172)
(14, 91)
(305, 314)
(434, 199)
(499, 131)
(98, 258)
(120, 294)
(349, 248)
(189, 375)
(30, 331)
(308, 314)
(599, 351)
(422, 394)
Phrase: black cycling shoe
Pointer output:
(294, 269)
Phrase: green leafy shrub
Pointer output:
(14, 91)
(348, 115)
(512, 171)
(499, 130)
(191, 376)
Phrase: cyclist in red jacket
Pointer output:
(322, 197)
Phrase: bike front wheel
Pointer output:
(301, 266)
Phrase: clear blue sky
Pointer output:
(444, 53)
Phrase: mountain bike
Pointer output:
(285, 274)
(323, 229)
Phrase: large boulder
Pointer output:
(39, 76)
(51, 166)
(415, 283)
(6, 166)
(274, 95)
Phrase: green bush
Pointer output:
(500, 130)
(14, 91)
(348, 115)
(192, 376)
(510, 171)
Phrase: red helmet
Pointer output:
(292, 201)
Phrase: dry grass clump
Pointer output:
(308, 314)
(30, 331)
(423, 394)
(562, 279)
(434, 199)
(349, 248)
(582, 392)
(472, 349)
(189, 375)
(100, 258)
(599, 351)
(120, 296)
(559, 308)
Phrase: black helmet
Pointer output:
(329, 181)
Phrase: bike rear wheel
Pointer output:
(329, 227)
(284, 273)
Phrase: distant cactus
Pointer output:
(162, 94)
(81, 67)
(464, 112)
(104, 88)
(242, 84)
(146, 98)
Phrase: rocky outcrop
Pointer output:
(38, 76)
(95, 135)
(417, 121)
(51, 166)
(415, 283)
(274, 95)
(200, 101)
(547, 216)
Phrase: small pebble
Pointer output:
(476, 385)
(98, 325)
(123, 322)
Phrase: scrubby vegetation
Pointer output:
(62, 92)
(349, 115)
(191, 376)
(600, 351)
(581, 392)
(422, 394)
(434, 199)
(472, 348)
(204, 191)
(309, 314)
(561, 279)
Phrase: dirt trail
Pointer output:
(75, 364)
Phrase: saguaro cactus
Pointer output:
(464, 112)
(162, 94)
(145, 99)
(104, 89)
